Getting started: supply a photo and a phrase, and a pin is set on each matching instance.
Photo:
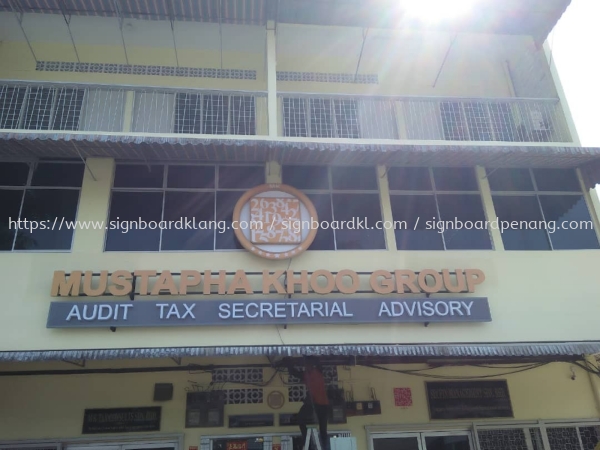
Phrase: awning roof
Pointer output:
(35, 145)
(528, 17)
(513, 350)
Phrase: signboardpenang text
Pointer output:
(469, 399)
(144, 313)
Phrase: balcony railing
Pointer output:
(430, 119)
(87, 108)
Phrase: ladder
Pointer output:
(312, 433)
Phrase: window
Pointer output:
(46, 193)
(40, 108)
(543, 209)
(176, 207)
(437, 209)
(214, 114)
(348, 195)
(321, 118)
(477, 121)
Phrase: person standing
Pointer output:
(316, 402)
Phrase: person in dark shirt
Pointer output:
(316, 402)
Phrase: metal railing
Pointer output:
(431, 119)
(75, 107)
(97, 108)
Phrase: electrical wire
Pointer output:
(445, 377)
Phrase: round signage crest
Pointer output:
(275, 221)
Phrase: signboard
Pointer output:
(403, 397)
(251, 420)
(143, 313)
(236, 445)
(468, 399)
(121, 420)
(281, 219)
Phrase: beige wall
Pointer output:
(533, 296)
(407, 62)
(51, 407)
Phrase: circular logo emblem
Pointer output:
(275, 400)
(275, 221)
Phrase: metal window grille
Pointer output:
(242, 375)
(40, 108)
(215, 114)
(321, 118)
(556, 437)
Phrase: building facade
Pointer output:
(162, 167)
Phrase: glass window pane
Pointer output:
(354, 178)
(564, 180)
(478, 121)
(197, 177)
(447, 443)
(10, 199)
(44, 207)
(563, 212)
(356, 209)
(58, 174)
(411, 211)
(346, 118)
(241, 177)
(463, 212)
(455, 179)
(510, 180)
(225, 238)
(409, 179)
(189, 209)
(324, 238)
(13, 174)
(522, 217)
(127, 207)
(139, 176)
(396, 443)
(306, 177)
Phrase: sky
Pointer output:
(575, 44)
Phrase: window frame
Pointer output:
(537, 193)
(28, 186)
(435, 192)
(163, 190)
(331, 191)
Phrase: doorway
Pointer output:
(430, 440)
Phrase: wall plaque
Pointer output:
(468, 399)
(121, 420)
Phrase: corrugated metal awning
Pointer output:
(526, 17)
(512, 350)
(33, 145)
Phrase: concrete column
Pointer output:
(386, 207)
(593, 203)
(93, 205)
(272, 78)
(128, 112)
(273, 174)
(488, 206)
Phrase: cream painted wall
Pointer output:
(52, 407)
(534, 296)
(407, 62)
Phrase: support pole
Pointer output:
(272, 78)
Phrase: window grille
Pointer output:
(321, 118)
(215, 114)
(40, 108)
(559, 437)
(243, 396)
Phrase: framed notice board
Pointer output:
(121, 420)
(468, 399)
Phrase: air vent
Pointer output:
(319, 77)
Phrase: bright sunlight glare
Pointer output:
(437, 10)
